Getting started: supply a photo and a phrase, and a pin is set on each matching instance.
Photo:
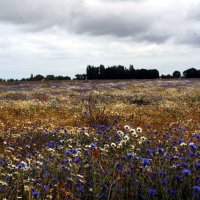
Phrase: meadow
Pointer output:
(127, 139)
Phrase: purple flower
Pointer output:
(167, 136)
(186, 172)
(171, 191)
(74, 151)
(196, 188)
(77, 160)
(93, 145)
(68, 153)
(119, 166)
(145, 161)
(86, 113)
(164, 182)
(152, 192)
(130, 155)
(35, 193)
(197, 165)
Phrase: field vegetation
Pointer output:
(127, 139)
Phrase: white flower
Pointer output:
(143, 139)
(139, 130)
(127, 127)
(106, 146)
(175, 148)
(119, 145)
(183, 144)
(113, 145)
(133, 133)
(126, 138)
(87, 134)
(120, 133)
(3, 183)
(123, 142)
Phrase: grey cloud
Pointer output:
(138, 21)
(111, 24)
(37, 13)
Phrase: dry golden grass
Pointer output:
(159, 104)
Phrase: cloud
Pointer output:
(140, 20)
(44, 14)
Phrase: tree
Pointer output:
(38, 77)
(176, 74)
(191, 73)
(50, 77)
(80, 77)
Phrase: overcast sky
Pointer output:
(62, 37)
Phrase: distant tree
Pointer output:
(131, 71)
(191, 73)
(80, 77)
(102, 72)
(176, 74)
(50, 77)
(10, 80)
(38, 77)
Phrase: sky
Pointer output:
(62, 37)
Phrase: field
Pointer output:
(100, 139)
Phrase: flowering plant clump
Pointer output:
(110, 164)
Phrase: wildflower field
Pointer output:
(100, 140)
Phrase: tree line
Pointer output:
(39, 77)
(121, 72)
(114, 72)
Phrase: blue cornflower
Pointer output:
(80, 189)
(74, 151)
(93, 145)
(197, 137)
(103, 195)
(149, 151)
(171, 191)
(119, 166)
(63, 162)
(152, 192)
(164, 182)
(127, 171)
(197, 165)
(167, 136)
(124, 157)
(21, 165)
(193, 147)
(162, 173)
(50, 144)
(145, 161)
(105, 186)
(160, 150)
(77, 160)
(180, 141)
(178, 177)
(186, 172)
(9, 179)
(130, 155)
(196, 188)
(86, 152)
(86, 113)
(35, 193)
(68, 153)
